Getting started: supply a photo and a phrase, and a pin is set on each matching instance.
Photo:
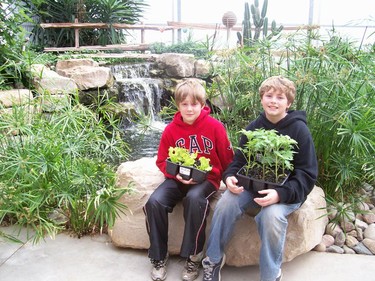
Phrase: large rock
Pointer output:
(305, 230)
(176, 65)
(10, 98)
(20, 99)
(47, 81)
(72, 63)
(202, 68)
(86, 73)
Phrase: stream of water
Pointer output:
(143, 93)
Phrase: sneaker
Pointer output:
(191, 269)
(279, 276)
(159, 269)
(211, 270)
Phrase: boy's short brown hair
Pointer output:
(190, 87)
(279, 83)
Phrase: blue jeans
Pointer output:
(272, 224)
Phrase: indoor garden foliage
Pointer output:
(335, 81)
(57, 171)
(85, 11)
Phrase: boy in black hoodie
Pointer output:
(277, 95)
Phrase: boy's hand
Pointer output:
(272, 197)
(178, 176)
(231, 183)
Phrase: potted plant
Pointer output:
(269, 157)
(188, 165)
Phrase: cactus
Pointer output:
(246, 29)
(260, 22)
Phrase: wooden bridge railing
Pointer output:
(142, 27)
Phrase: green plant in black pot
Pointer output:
(188, 165)
(269, 158)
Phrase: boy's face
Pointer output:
(190, 110)
(275, 105)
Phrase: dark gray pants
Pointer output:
(196, 209)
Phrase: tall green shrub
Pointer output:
(336, 87)
(88, 11)
(237, 80)
(12, 42)
(335, 84)
(58, 171)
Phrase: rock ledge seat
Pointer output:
(305, 230)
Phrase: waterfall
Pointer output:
(142, 94)
(138, 89)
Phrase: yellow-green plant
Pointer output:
(183, 157)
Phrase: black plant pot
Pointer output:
(186, 172)
(254, 185)
(198, 175)
(172, 168)
(190, 172)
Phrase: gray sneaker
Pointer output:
(191, 268)
(212, 270)
(159, 269)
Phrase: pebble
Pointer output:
(355, 234)
(361, 249)
(328, 240)
(348, 250)
(320, 247)
(335, 249)
(360, 224)
(332, 229)
(359, 234)
(363, 206)
(370, 244)
(370, 232)
(340, 239)
(347, 226)
(351, 241)
(369, 218)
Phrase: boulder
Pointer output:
(203, 68)
(9, 98)
(72, 63)
(86, 73)
(48, 81)
(176, 65)
(305, 230)
(20, 99)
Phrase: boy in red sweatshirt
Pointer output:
(194, 129)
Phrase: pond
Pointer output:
(144, 143)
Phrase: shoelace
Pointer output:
(191, 265)
(158, 263)
(208, 272)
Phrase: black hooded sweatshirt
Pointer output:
(303, 178)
